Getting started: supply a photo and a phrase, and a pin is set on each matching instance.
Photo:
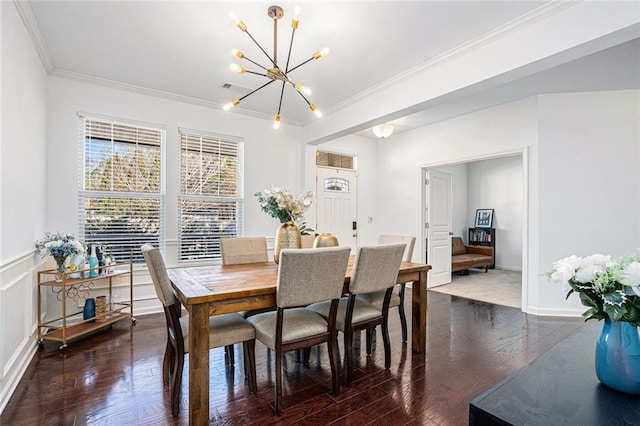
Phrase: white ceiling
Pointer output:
(183, 49)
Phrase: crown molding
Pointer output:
(513, 26)
(140, 90)
(26, 14)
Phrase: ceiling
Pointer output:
(182, 49)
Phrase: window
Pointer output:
(211, 203)
(121, 196)
(334, 184)
(334, 160)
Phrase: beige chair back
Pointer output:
(158, 272)
(237, 251)
(376, 268)
(396, 239)
(311, 275)
(306, 241)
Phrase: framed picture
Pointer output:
(484, 218)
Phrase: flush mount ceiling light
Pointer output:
(274, 72)
(383, 130)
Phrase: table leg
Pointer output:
(199, 365)
(419, 314)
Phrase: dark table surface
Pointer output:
(558, 388)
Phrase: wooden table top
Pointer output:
(206, 284)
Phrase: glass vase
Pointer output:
(288, 236)
(618, 356)
(60, 269)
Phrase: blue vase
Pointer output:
(618, 356)
(89, 310)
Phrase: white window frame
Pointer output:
(211, 249)
(159, 240)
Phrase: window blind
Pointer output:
(210, 201)
(121, 202)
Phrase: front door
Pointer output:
(439, 226)
(336, 208)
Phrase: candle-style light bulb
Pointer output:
(296, 18)
(321, 53)
(304, 89)
(237, 68)
(276, 122)
(237, 21)
(230, 105)
(315, 110)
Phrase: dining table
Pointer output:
(222, 289)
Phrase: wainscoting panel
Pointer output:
(18, 308)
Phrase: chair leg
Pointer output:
(403, 318)
(278, 389)
(167, 363)
(348, 357)
(229, 355)
(306, 355)
(370, 331)
(387, 343)
(333, 361)
(175, 384)
(250, 363)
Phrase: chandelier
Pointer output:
(274, 72)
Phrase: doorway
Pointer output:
(336, 208)
(496, 182)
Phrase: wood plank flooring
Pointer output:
(114, 376)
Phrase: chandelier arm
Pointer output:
(260, 47)
(281, 95)
(255, 73)
(293, 33)
(255, 90)
(255, 63)
(304, 97)
(301, 64)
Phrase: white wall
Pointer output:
(589, 183)
(23, 146)
(582, 166)
(498, 184)
(489, 133)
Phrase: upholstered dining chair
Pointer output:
(375, 269)
(397, 298)
(238, 251)
(224, 330)
(304, 277)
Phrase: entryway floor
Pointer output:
(496, 286)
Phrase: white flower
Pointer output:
(588, 273)
(630, 277)
(572, 261)
(562, 274)
(595, 259)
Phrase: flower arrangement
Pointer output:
(59, 246)
(609, 288)
(284, 206)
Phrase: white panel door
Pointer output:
(439, 219)
(336, 207)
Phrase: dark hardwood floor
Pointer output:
(114, 376)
